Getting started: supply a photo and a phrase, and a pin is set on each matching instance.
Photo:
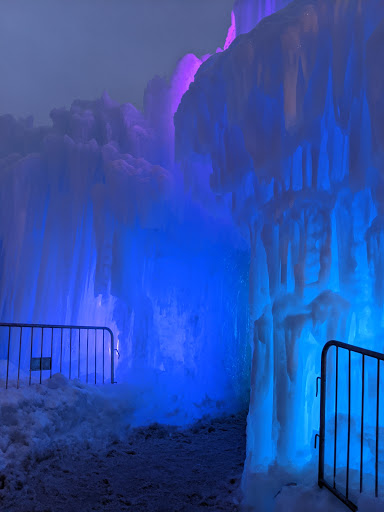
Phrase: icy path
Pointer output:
(155, 468)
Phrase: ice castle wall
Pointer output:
(288, 124)
(97, 228)
(96, 231)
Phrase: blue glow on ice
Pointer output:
(301, 92)
(263, 241)
(99, 227)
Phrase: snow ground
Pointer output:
(155, 468)
(65, 446)
(290, 491)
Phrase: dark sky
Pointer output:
(54, 51)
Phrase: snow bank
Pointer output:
(293, 490)
(41, 422)
(60, 413)
(34, 419)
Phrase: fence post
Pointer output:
(322, 413)
(112, 356)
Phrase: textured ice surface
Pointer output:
(248, 13)
(288, 124)
(96, 232)
(100, 227)
(270, 221)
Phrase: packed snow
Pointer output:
(69, 446)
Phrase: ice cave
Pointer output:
(224, 234)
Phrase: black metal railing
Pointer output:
(359, 377)
(73, 350)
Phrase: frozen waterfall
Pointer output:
(288, 125)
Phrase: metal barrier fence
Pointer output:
(368, 403)
(73, 350)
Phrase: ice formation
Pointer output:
(244, 203)
(288, 124)
(97, 228)
(248, 13)
(96, 232)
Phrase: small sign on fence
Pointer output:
(41, 363)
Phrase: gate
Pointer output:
(356, 424)
(83, 352)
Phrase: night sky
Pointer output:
(54, 51)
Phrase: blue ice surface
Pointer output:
(290, 119)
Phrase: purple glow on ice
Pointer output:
(182, 78)
(99, 232)
(231, 36)
(245, 16)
